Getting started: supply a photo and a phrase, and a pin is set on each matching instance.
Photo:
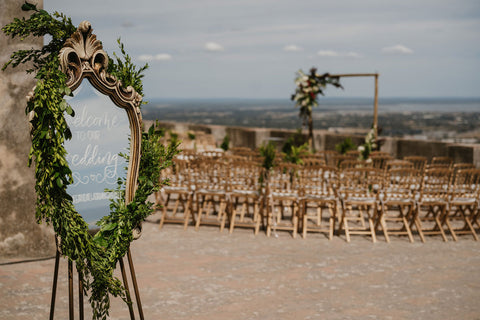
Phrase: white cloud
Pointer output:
(328, 53)
(163, 57)
(352, 54)
(158, 57)
(214, 47)
(292, 48)
(332, 53)
(397, 49)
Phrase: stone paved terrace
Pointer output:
(206, 274)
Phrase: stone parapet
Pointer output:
(326, 140)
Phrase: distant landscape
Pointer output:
(442, 119)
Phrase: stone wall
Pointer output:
(20, 235)
(326, 140)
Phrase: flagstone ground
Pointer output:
(210, 275)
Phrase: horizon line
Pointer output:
(321, 98)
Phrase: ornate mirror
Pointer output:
(106, 122)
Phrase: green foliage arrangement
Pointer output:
(308, 87)
(294, 154)
(297, 139)
(191, 135)
(295, 148)
(268, 152)
(345, 146)
(95, 256)
(225, 143)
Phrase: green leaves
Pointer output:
(29, 6)
(126, 71)
(70, 111)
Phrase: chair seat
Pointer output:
(363, 200)
(463, 201)
(175, 189)
(315, 197)
(245, 193)
(284, 195)
(433, 201)
(392, 201)
(211, 191)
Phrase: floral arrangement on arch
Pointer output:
(308, 86)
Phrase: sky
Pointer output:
(253, 48)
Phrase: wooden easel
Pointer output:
(82, 56)
(71, 304)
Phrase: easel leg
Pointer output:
(127, 290)
(54, 288)
(135, 285)
(70, 290)
(80, 297)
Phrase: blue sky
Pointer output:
(252, 48)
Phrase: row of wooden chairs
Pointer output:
(315, 198)
(377, 159)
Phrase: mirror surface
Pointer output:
(100, 131)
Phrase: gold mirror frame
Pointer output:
(82, 56)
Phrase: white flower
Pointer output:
(361, 148)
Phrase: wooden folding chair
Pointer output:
(329, 157)
(338, 159)
(317, 197)
(432, 202)
(178, 194)
(283, 199)
(352, 163)
(245, 198)
(380, 153)
(438, 166)
(358, 191)
(462, 166)
(463, 203)
(442, 160)
(354, 154)
(398, 164)
(380, 161)
(312, 161)
(210, 180)
(398, 201)
(419, 162)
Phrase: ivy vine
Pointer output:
(95, 256)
